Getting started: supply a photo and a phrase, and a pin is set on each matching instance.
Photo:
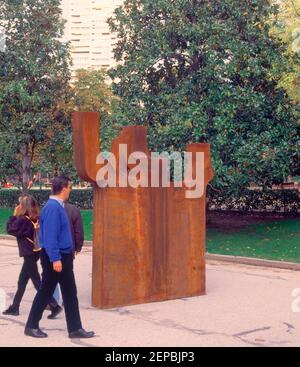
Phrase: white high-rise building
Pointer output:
(88, 32)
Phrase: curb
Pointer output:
(12, 238)
(224, 258)
(6, 237)
(254, 262)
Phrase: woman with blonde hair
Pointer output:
(24, 225)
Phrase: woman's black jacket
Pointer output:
(22, 228)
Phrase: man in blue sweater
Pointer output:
(57, 262)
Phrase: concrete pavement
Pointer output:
(244, 306)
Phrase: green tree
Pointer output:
(89, 91)
(34, 79)
(203, 70)
(92, 92)
(288, 30)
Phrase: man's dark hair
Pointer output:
(59, 183)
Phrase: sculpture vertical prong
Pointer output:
(86, 144)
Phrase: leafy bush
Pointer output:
(285, 201)
(83, 198)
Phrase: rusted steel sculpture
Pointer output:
(148, 242)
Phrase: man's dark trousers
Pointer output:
(50, 278)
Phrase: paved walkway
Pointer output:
(244, 306)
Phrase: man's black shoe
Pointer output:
(54, 312)
(11, 311)
(35, 333)
(81, 333)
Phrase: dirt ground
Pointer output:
(232, 222)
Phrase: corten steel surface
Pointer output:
(148, 243)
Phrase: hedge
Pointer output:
(83, 198)
(282, 201)
(275, 201)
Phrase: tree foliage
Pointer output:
(203, 70)
(34, 79)
(288, 30)
(92, 92)
(89, 91)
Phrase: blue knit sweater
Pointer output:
(55, 233)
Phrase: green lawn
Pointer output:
(4, 214)
(278, 240)
(87, 217)
(274, 240)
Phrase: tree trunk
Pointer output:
(26, 164)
